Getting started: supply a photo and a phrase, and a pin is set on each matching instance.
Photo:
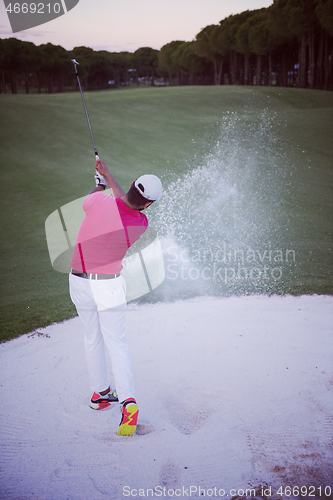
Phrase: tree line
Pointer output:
(289, 43)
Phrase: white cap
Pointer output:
(149, 186)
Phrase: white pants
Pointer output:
(101, 305)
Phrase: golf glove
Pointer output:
(100, 180)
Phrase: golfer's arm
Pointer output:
(114, 186)
(102, 168)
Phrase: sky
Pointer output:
(116, 25)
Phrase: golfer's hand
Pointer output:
(102, 168)
(100, 180)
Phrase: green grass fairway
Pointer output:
(260, 158)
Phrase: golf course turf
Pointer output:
(244, 169)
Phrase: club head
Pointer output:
(75, 64)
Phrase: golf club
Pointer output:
(75, 63)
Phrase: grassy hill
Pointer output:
(259, 157)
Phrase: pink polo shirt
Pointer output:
(108, 230)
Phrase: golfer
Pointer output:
(98, 290)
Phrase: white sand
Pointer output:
(232, 392)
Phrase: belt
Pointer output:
(89, 276)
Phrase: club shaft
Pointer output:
(86, 111)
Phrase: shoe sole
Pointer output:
(128, 428)
(99, 406)
(102, 404)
